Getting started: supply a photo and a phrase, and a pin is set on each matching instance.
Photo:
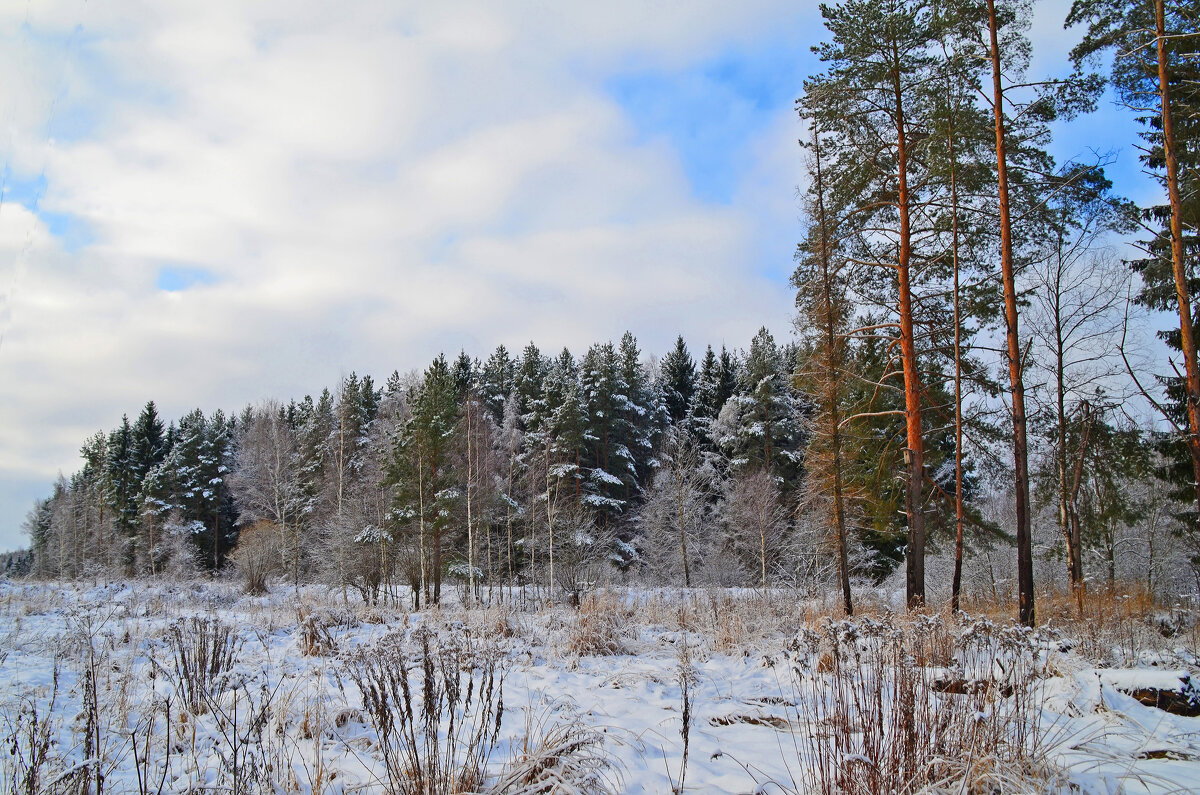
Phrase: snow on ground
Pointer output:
(746, 672)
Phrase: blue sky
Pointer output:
(710, 112)
(214, 204)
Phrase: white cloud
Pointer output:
(369, 184)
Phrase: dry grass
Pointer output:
(904, 705)
(885, 702)
(556, 757)
(203, 651)
(32, 764)
(601, 626)
(313, 636)
(1117, 625)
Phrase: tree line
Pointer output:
(503, 471)
(961, 378)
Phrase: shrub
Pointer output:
(257, 555)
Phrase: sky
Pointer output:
(211, 204)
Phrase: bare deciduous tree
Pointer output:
(266, 480)
(676, 517)
(755, 522)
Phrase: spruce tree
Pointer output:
(530, 390)
(609, 461)
(678, 377)
(314, 424)
(497, 378)
(464, 375)
(149, 442)
(420, 471)
(191, 482)
(509, 442)
(566, 426)
(643, 417)
(123, 489)
(759, 428)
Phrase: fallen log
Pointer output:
(1175, 702)
(969, 687)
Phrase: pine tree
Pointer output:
(1156, 72)
(873, 105)
(1012, 335)
(820, 280)
(961, 164)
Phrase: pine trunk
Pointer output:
(959, 512)
(831, 376)
(914, 453)
(470, 532)
(1178, 266)
(1016, 381)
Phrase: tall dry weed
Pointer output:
(202, 651)
(887, 705)
(437, 709)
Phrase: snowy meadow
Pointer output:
(134, 687)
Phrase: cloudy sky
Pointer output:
(211, 203)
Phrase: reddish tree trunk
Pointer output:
(914, 454)
(839, 512)
(1020, 442)
(1182, 292)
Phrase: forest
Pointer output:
(969, 380)
(942, 535)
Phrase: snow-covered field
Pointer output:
(776, 697)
